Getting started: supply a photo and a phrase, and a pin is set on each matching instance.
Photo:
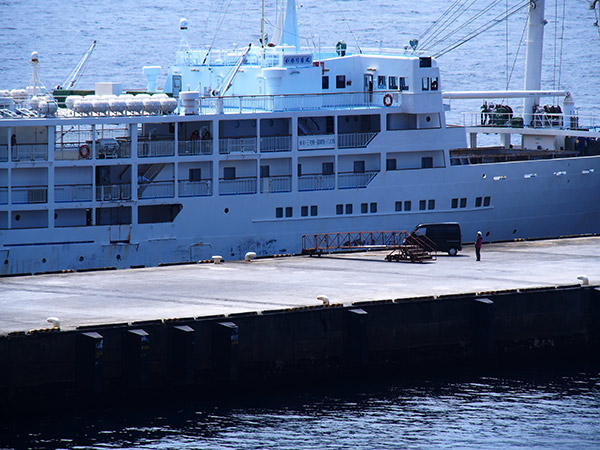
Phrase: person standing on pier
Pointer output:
(478, 243)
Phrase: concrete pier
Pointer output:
(211, 328)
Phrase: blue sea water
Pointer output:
(524, 410)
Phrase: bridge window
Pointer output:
(425, 84)
(325, 82)
(340, 81)
(403, 84)
(393, 82)
(381, 82)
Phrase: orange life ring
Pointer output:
(84, 151)
(388, 99)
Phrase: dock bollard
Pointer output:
(249, 256)
(217, 259)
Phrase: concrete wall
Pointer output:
(120, 361)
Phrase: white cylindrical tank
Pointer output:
(151, 105)
(168, 105)
(6, 102)
(83, 106)
(135, 105)
(118, 104)
(71, 99)
(34, 103)
(19, 95)
(100, 105)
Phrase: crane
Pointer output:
(77, 72)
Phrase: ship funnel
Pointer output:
(287, 27)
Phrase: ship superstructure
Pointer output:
(249, 150)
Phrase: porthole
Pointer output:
(119, 257)
(80, 258)
(6, 262)
(226, 210)
(428, 119)
(44, 260)
(483, 176)
(487, 234)
(515, 231)
(18, 217)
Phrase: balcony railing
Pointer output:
(113, 192)
(3, 195)
(73, 151)
(237, 145)
(148, 149)
(355, 140)
(30, 152)
(73, 193)
(3, 153)
(156, 189)
(353, 180)
(29, 194)
(237, 186)
(198, 188)
(197, 147)
(276, 144)
(316, 182)
(276, 184)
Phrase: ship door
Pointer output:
(176, 88)
(368, 88)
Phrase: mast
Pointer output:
(262, 24)
(533, 58)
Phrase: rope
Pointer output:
(444, 22)
(492, 23)
(219, 25)
(562, 41)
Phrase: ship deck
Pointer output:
(127, 296)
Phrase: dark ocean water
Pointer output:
(533, 409)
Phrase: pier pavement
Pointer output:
(125, 296)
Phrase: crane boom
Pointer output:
(76, 73)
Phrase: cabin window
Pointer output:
(486, 201)
(229, 173)
(478, 202)
(265, 171)
(340, 81)
(425, 61)
(403, 84)
(314, 210)
(195, 174)
(359, 167)
(364, 208)
(304, 211)
(390, 164)
(348, 208)
(398, 206)
(427, 162)
(158, 213)
(279, 212)
(463, 202)
(431, 204)
(435, 83)
(339, 209)
(381, 82)
(393, 82)
(454, 203)
(407, 205)
(422, 205)
(327, 168)
(425, 83)
(324, 82)
(373, 207)
(289, 211)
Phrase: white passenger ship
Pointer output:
(252, 149)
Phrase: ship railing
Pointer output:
(275, 144)
(29, 152)
(539, 120)
(73, 193)
(3, 153)
(352, 180)
(73, 151)
(156, 189)
(356, 140)
(237, 145)
(199, 188)
(3, 195)
(302, 102)
(29, 194)
(243, 185)
(316, 182)
(148, 149)
(113, 192)
(276, 184)
(195, 147)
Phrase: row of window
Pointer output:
(384, 82)
(365, 208)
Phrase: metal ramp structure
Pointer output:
(405, 246)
